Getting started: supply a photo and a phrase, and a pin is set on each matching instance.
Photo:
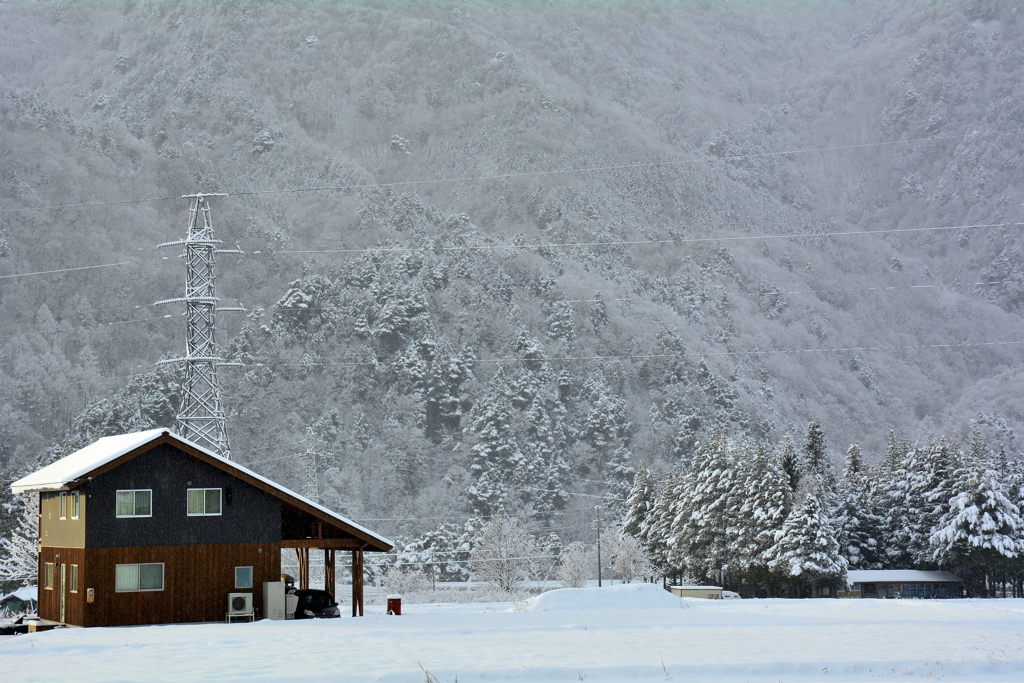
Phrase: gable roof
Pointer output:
(73, 470)
(24, 594)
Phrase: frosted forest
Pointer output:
(742, 281)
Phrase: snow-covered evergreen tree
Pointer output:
(792, 462)
(640, 504)
(766, 502)
(806, 552)
(934, 487)
(889, 499)
(619, 477)
(703, 520)
(818, 462)
(661, 541)
(982, 529)
(856, 522)
(496, 454)
(545, 470)
(442, 553)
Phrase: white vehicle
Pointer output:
(730, 595)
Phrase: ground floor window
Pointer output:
(48, 575)
(243, 577)
(74, 579)
(130, 578)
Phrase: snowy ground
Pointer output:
(587, 634)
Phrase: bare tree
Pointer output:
(19, 559)
(404, 581)
(630, 559)
(503, 554)
(575, 565)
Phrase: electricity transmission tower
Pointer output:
(201, 416)
(314, 450)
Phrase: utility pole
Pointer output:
(597, 525)
(201, 415)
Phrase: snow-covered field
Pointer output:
(623, 633)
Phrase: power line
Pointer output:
(569, 493)
(68, 270)
(86, 327)
(646, 356)
(675, 240)
(89, 204)
(901, 288)
(467, 518)
(569, 245)
(524, 174)
(570, 301)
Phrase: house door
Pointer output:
(63, 591)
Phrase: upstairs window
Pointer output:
(76, 505)
(204, 502)
(63, 505)
(135, 503)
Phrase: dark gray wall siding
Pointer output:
(251, 516)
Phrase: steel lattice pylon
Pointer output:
(201, 416)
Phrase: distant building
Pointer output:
(148, 528)
(22, 600)
(903, 583)
(705, 592)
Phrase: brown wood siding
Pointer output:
(49, 600)
(197, 580)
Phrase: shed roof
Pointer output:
(25, 593)
(73, 470)
(898, 576)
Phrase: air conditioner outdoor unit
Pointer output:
(239, 604)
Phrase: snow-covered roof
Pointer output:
(25, 593)
(60, 475)
(698, 588)
(56, 476)
(898, 576)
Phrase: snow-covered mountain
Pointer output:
(563, 237)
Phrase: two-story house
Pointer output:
(149, 528)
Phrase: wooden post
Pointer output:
(329, 571)
(360, 551)
(302, 556)
(356, 576)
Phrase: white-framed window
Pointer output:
(132, 578)
(74, 579)
(48, 576)
(76, 505)
(204, 502)
(135, 503)
(243, 577)
(63, 505)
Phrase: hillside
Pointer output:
(520, 191)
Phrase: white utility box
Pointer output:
(291, 604)
(273, 600)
